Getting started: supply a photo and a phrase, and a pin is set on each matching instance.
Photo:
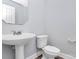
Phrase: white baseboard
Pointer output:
(35, 55)
(66, 56)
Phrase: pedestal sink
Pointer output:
(19, 41)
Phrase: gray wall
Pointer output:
(7, 52)
(34, 24)
(21, 12)
(60, 20)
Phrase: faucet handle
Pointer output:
(13, 32)
(19, 32)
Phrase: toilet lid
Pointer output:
(51, 49)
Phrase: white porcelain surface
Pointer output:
(51, 49)
(42, 41)
(11, 39)
(50, 54)
(18, 41)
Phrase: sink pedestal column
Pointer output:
(19, 51)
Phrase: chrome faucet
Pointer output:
(16, 32)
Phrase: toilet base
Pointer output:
(45, 56)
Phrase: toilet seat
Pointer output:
(51, 50)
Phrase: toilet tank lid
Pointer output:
(42, 36)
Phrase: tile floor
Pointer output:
(61, 56)
(58, 57)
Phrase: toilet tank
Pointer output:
(42, 41)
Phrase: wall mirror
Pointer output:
(15, 11)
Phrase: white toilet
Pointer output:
(49, 52)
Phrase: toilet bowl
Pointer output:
(49, 52)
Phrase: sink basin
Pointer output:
(18, 41)
(11, 39)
